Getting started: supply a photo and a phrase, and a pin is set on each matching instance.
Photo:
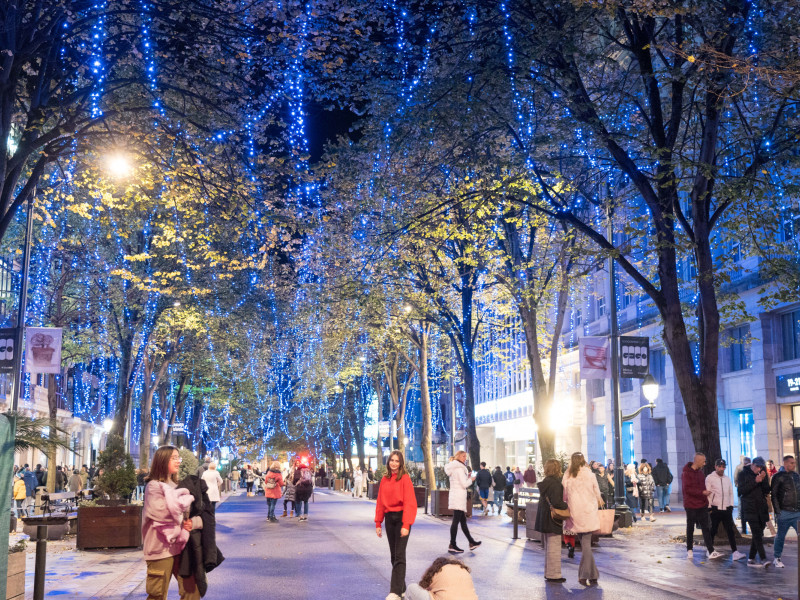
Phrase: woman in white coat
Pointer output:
(460, 480)
(358, 481)
(582, 495)
(213, 480)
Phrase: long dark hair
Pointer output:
(400, 471)
(159, 469)
(576, 462)
(437, 566)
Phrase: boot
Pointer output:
(284, 513)
(571, 551)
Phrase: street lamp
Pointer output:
(119, 165)
(108, 425)
(155, 440)
(650, 393)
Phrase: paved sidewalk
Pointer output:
(336, 555)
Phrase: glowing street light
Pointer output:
(108, 425)
(119, 165)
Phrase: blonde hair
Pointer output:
(212, 466)
(275, 465)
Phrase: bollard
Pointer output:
(516, 517)
(427, 493)
(41, 562)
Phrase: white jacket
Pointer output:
(213, 481)
(460, 480)
(582, 495)
(721, 489)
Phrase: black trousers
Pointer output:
(459, 516)
(698, 516)
(726, 518)
(757, 539)
(397, 551)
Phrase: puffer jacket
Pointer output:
(460, 480)
(647, 487)
(273, 475)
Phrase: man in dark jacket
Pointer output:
(483, 481)
(753, 488)
(499, 488)
(509, 493)
(786, 502)
(41, 475)
(695, 501)
(663, 479)
(201, 554)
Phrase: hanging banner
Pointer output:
(595, 357)
(7, 340)
(43, 350)
(634, 357)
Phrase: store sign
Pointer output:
(788, 385)
(634, 357)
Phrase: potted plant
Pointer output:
(15, 581)
(111, 521)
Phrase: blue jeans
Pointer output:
(662, 493)
(271, 502)
(498, 499)
(786, 520)
(303, 504)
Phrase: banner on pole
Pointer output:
(43, 350)
(384, 428)
(595, 357)
(634, 357)
(8, 336)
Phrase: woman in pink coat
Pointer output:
(582, 495)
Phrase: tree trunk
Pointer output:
(52, 405)
(425, 402)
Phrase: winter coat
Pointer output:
(289, 493)
(163, 534)
(213, 481)
(582, 495)
(200, 555)
(460, 480)
(273, 474)
(75, 483)
(518, 478)
(302, 486)
(529, 476)
(249, 476)
(661, 474)
(484, 479)
(753, 496)
(551, 493)
(786, 492)
(721, 489)
(499, 480)
(30, 483)
(604, 485)
(693, 484)
(19, 489)
(647, 487)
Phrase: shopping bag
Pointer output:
(606, 521)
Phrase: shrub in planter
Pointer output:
(119, 475)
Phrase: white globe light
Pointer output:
(119, 165)
(650, 388)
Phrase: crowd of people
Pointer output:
(67, 479)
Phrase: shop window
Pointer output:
(790, 334)
(628, 453)
(747, 433)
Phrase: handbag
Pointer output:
(559, 515)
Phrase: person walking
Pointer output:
(721, 505)
(551, 495)
(753, 493)
(358, 482)
(483, 481)
(499, 488)
(786, 501)
(509, 491)
(165, 530)
(647, 490)
(518, 481)
(582, 495)
(290, 491)
(631, 490)
(744, 462)
(273, 482)
(662, 477)
(75, 483)
(695, 502)
(460, 480)
(249, 479)
(304, 485)
(397, 505)
(214, 482)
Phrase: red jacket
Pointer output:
(394, 496)
(693, 484)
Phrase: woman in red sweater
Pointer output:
(398, 505)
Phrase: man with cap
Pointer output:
(721, 504)
(754, 489)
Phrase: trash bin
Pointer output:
(531, 508)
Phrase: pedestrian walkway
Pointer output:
(336, 555)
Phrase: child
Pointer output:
(165, 531)
(446, 579)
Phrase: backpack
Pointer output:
(270, 483)
(509, 478)
(306, 478)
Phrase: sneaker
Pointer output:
(738, 555)
(766, 563)
(778, 563)
(668, 509)
(752, 563)
(453, 549)
(714, 555)
(473, 545)
(689, 554)
(652, 519)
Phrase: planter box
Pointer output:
(109, 527)
(338, 485)
(419, 492)
(15, 584)
(439, 501)
(372, 489)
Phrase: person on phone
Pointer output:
(397, 505)
(754, 492)
(460, 479)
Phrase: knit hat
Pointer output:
(759, 462)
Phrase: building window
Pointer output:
(577, 317)
(595, 388)
(739, 348)
(747, 433)
(628, 453)
(790, 334)
(658, 366)
(601, 306)
(625, 384)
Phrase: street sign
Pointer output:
(7, 337)
(177, 428)
(788, 385)
(634, 357)
(383, 428)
